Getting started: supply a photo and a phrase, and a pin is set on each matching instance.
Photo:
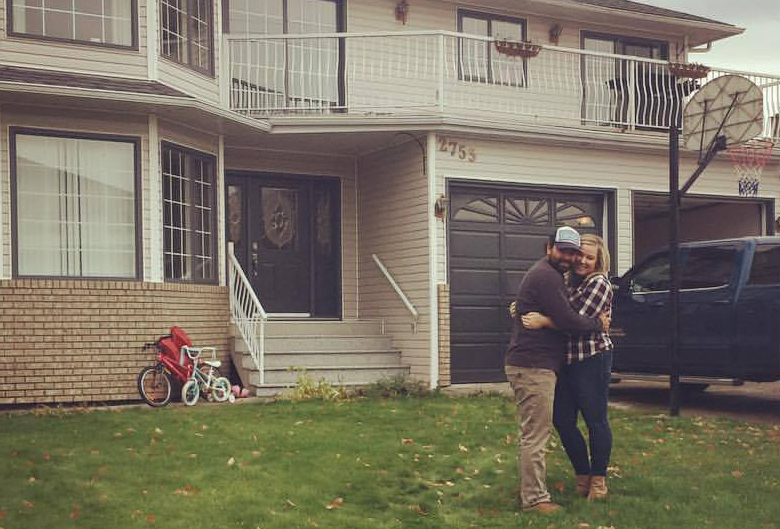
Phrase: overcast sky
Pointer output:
(756, 50)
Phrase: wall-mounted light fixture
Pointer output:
(401, 11)
(555, 34)
(440, 207)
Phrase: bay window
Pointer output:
(189, 215)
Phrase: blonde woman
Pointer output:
(583, 382)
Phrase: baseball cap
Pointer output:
(567, 238)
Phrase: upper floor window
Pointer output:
(479, 60)
(101, 22)
(189, 215)
(75, 207)
(187, 33)
(274, 17)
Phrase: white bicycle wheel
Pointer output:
(190, 392)
(221, 389)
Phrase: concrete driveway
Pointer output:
(751, 401)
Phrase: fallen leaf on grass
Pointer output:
(46, 457)
(255, 453)
(335, 504)
(186, 490)
(150, 518)
(28, 504)
(407, 441)
(736, 473)
(31, 479)
(2, 514)
(584, 525)
(158, 431)
(463, 448)
(231, 461)
(559, 486)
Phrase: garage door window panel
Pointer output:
(573, 214)
(481, 209)
(527, 211)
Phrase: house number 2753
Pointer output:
(462, 152)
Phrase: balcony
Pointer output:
(446, 73)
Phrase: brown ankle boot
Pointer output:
(583, 485)
(598, 488)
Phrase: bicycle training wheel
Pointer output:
(154, 386)
(190, 392)
(221, 389)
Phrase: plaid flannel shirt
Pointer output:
(591, 298)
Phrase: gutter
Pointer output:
(136, 97)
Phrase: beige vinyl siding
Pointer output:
(74, 57)
(586, 167)
(131, 126)
(342, 167)
(393, 224)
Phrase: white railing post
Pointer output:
(247, 313)
(632, 87)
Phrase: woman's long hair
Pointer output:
(602, 254)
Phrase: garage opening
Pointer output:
(496, 233)
(701, 218)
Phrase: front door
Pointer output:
(285, 235)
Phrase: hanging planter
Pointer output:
(518, 48)
(690, 70)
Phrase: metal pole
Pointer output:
(674, 268)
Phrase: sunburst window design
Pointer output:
(527, 211)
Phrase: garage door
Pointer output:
(495, 235)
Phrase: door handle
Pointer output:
(254, 265)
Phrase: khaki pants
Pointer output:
(534, 390)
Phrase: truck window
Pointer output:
(766, 265)
(652, 276)
(709, 267)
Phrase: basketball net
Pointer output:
(749, 159)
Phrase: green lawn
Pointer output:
(368, 463)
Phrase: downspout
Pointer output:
(430, 169)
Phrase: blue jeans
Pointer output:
(583, 387)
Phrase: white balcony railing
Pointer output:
(439, 71)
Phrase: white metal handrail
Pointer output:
(439, 71)
(247, 312)
(415, 314)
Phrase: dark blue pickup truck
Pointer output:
(729, 312)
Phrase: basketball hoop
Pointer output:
(749, 160)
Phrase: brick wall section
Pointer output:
(80, 341)
(444, 334)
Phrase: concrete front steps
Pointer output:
(345, 353)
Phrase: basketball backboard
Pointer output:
(730, 106)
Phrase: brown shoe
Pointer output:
(545, 506)
(583, 485)
(598, 488)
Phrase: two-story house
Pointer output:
(351, 186)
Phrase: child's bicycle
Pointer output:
(177, 358)
(205, 379)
